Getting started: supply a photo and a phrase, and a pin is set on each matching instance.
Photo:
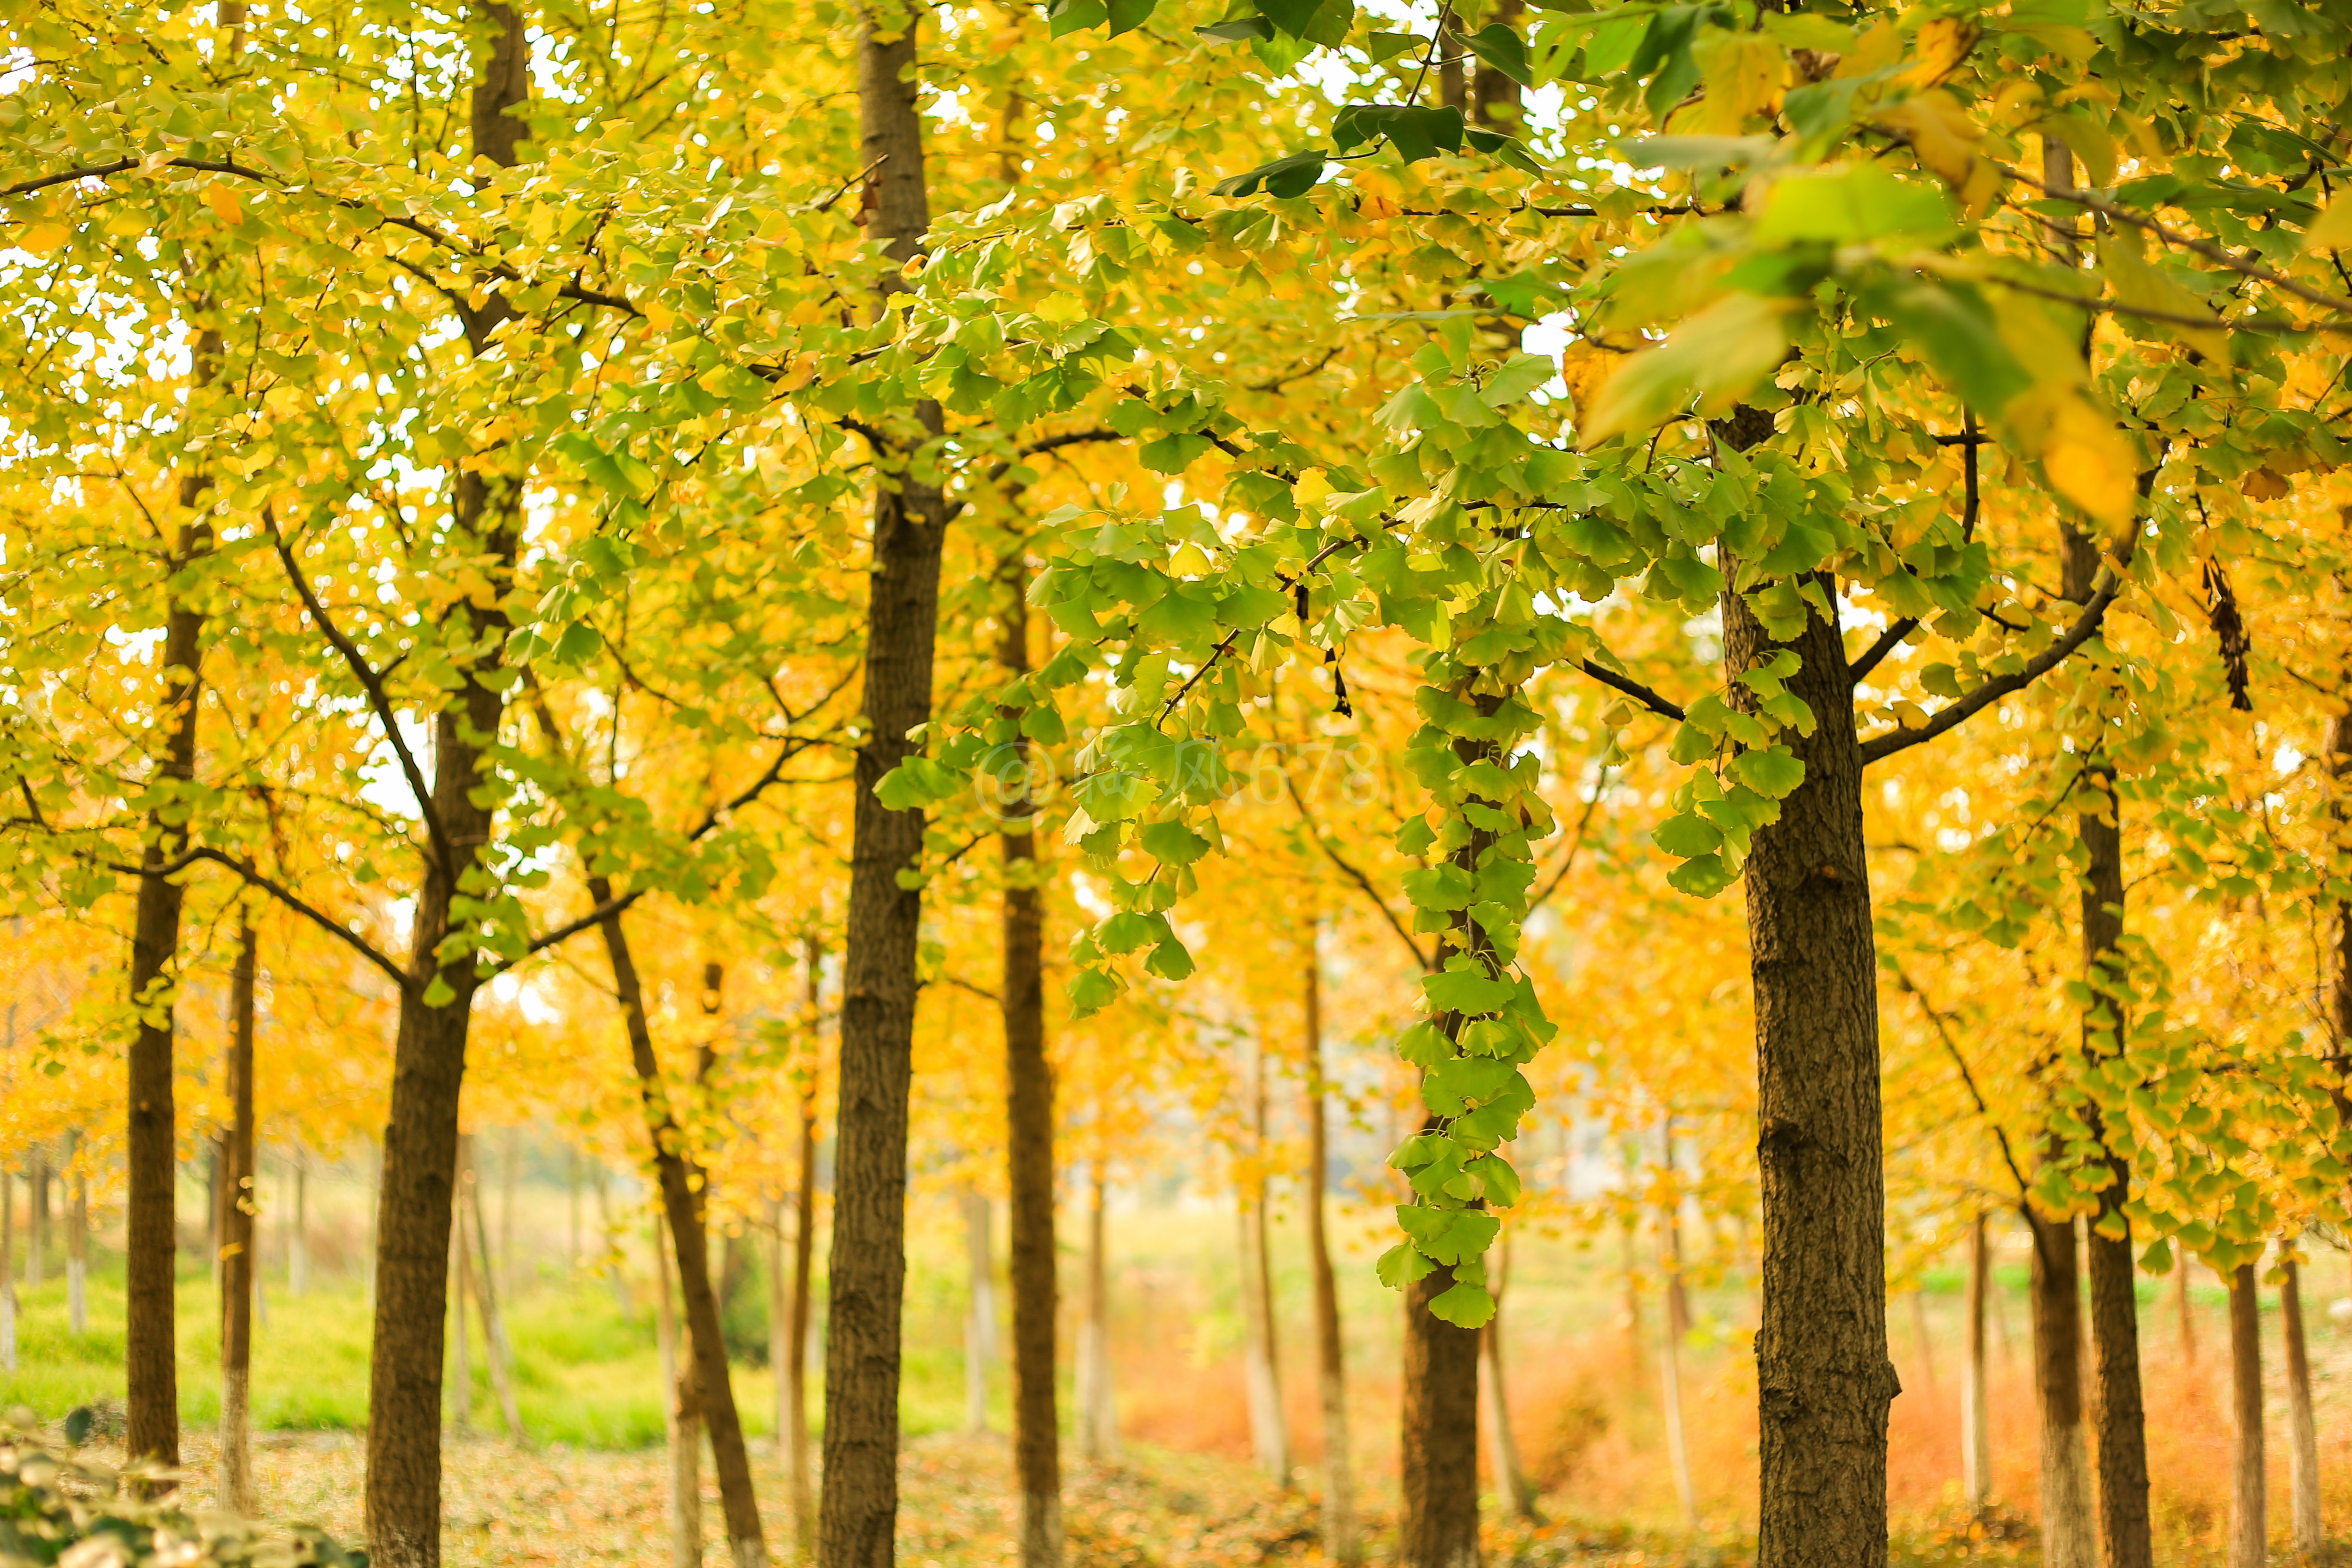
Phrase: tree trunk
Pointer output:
(2181, 1307)
(1494, 95)
(796, 1430)
(1341, 1543)
(684, 1410)
(1672, 1325)
(683, 1188)
(980, 1323)
(509, 1282)
(858, 1507)
(496, 1348)
(2249, 1516)
(2302, 1431)
(237, 1241)
(1976, 1427)
(297, 1239)
(1439, 1527)
(1269, 1433)
(1029, 1132)
(37, 1178)
(571, 1214)
(150, 1367)
(1823, 1378)
(2068, 1533)
(1510, 1476)
(461, 1409)
(1098, 1411)
(1923, 1339)
(77, 1239)
(416, 1197)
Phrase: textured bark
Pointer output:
(1823, 1378)
(2302, 1429)
(683, 1422)
(150, 1367)
(683, 1188)
(1029, 1135)
(858, 1505)
(1976, 1429)
(2249, 1515)
(237, 1241)
(1439, 1527)
(795, 1391)
(1342, 1543)
(980, 1322)
(2068, 1537)
(416, 1194)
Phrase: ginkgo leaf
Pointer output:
(1708, 363)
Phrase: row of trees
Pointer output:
(479, 476)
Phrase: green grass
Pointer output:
(587, 1373)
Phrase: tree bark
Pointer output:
(1672, 1325)
(980, 1323)
(796, 1428)
(1439, 1527)
(1341, 1543)
(150, 1366)
(684, 1423)
(416, 1196)
(1824, 1382)
(2249, 1504)
(1029, 1132)
(237, 1240)
(2302, 1430)
(683, 1185)
(859, 1505)
(2068, 1533)
(1976, 1427)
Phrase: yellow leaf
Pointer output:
(1944, 43)
(40, 238)
(1716, 357)
(2088, 460)
(1742, 72)
(1881, 46)
(224, 203)
(2265, 485)
(2331, 230)
(2137, 284)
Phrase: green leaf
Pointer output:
(1465, 1306)
(1712, 359)
(1770, 773)
(1521, 374)
(1090, 991)
(1239, 28)
(1173, 843)
(1417, 131)
(1402, 1265)
(1064, 17)
(1169, 961)
(1504, 49)
(1703, 876)
(1864, 200)
(1687, 834)
(1125, 15)
(1292, 174)
(1466, 991)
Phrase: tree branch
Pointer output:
(1632, 689)
(372, 683)
(1356, 876)
(1968, 440)
(1944, 1032)
(317, 917)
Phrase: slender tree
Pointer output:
(236, 1253)
(1342, 1543)
(865, 1277)
(682, 1414)
(2301, 1427)
(796, 1380)
(1976, 1432)
(980, 1316)
(77, 1236)
(1269, 1431)
(2249, 1504)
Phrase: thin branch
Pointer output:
(317, 917)
(372, 683)
(1575, 844)
(1349, 870)
(1632, 689)
(1892, 638)
(1944, 1032)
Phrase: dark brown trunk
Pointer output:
(859, 1505)
(150, 1366)
(2068, 1539)
(1029, 1138)
(684, 1417)
(2249, 1504)
(416, 1194)
(1823, 1378)
(1341, 1543)
(2303, 1428)
(682, 1187)
(803, 1273)
(237, 1241)
(1439, 1527)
